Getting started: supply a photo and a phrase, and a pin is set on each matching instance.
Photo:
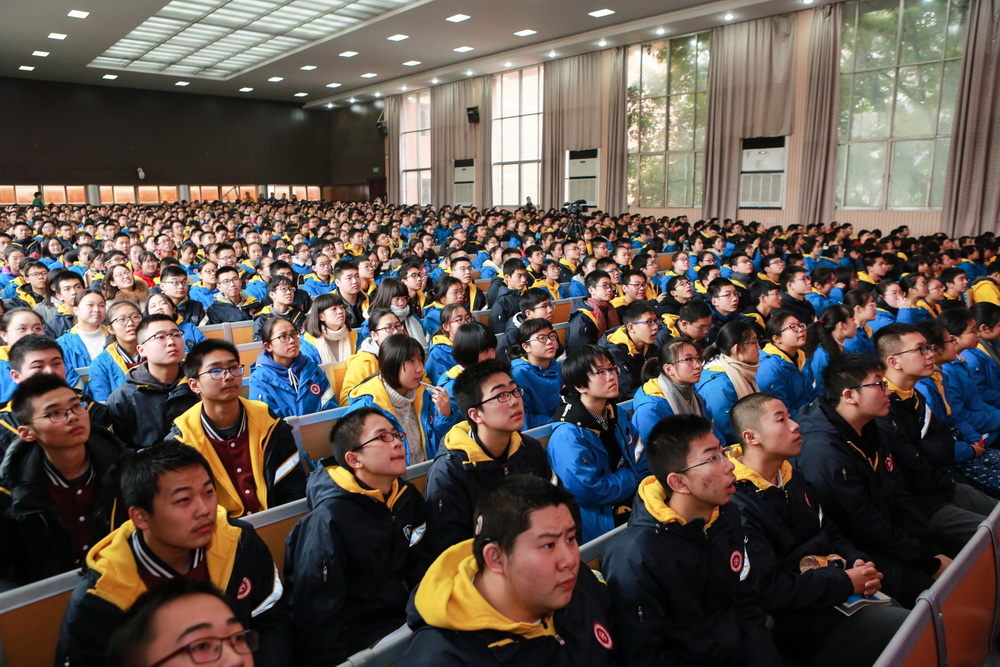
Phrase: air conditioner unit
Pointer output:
(465, 181)
(762, 173)
(582, 169)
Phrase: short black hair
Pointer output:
(846, 372)
(132, 637)
(225, 269)
(172, 272)
(504, 512)
(395, 351)
(747, 411)
(28, 344)
(887, 338)
(140, 480)
(150, 320)
(578, 366)
(22, 402)
(469, 385)
(345, 435)
(530, 298)
(196, 355)
(471, 340)
(669, 444)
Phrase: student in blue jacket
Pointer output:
(534, 368)
(893, 306)
(668, 387)
(161, 304)
(730, 375)
(447, 291)
(88, 337)
(960, 386)
(474, 343)
(439, 356)
(593, 450)
(783, 370)
(984, 359)
(14, 325)
(291, 383)
(914, 286)
(400, 390)
(862, 304)
(107, 371)
(825, 339)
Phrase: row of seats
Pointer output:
(40, 605)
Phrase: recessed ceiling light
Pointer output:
(246, 89)
(301, 94)
(404, 88)
(551, 54)
(435, 81)
(458, 18)
(276, 79)
(307, 68)
(182, 83)
(369, 75)
(660, 31)
(469, 72)
(110, 77)
(352, 100)
(525, 33)
(808, 2)
(601, 13)
(603, 42)
(411, 63)
(329, 105)
(508, 64)
(348, 54)
(40, 54)
(333, 85)
(728, 17)
(378, 94)
(56, 35)
(77, 14)
(398, 37)
(26, 68)
(462, 49)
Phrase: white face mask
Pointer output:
(401, 313)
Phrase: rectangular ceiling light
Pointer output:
(348, 54)
(462, 49)
(369, 75)
(601, 13)
(458, 18)
(40, 54)
(525, 33)
(246, 90)
(77, 14)
(397, 37)
(56, 35)
(411, 63)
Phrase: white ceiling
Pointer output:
(132, 30)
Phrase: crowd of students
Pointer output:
(814, 415)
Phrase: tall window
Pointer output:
(900, 66)
(517, 136)
(415, 148)
(667, 113)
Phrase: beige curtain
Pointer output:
(484, 166)
(614, 201)
(571, 118)
(972, 187)
(393, 178)
(750, 93)
(453, 137)
(819, 154)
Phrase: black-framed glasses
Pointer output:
(284, 338)
(174, 283)
(209, 649)
(711, 460)
(134, 319)
(62, 414)
(163, 336)
(922, 349)
(462, 320)
(391, 328)
(385, 438)
(607, 373)
(220, 373)
(883, 384)
(504, 396)
(545, 338)
(693, 361)
(652, 323)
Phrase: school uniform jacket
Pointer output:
(351, 563)
(74, 349)
(629, 356)
(541, 390)
(99, 416)
(239, 564)
(582, 327)
(455, 626)
(718, 396)
(463, 471)
(650, 406)
(790, 381)
(107, 372)
(143, 409)
(223, 310)
(439, 356)
(277, 473)
(984, 370)
(678, 588)
(372, 393)
(291, 392)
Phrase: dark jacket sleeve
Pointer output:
(580, 331)
(316, 581)
(430, 648)
(283, 458)
(449, 510)
(86, 629)
(122, 415)
(268, 609)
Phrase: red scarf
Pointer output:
(607, 317)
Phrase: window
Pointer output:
(900, 65)
(415, 148)
(517, 136)
(667, 110)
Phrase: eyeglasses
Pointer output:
(545, 338)
(228, 281)
(209, 649)
(220, 373)
(391, 328)
(134, 319)
(637, 286)
(505, 396)
(385, 438)
(462, 320)
(711, 460)
(797, 328)
(174, 283)
(883, 384)
(284, 338)
(654, 323)
(607, 373)
(415, 275)
(38, 274)
(163, 336)
(725, 295)
(61, 415)
(922, 349)
(693, 361)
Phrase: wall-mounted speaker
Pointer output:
(383, 128)
(473, 113)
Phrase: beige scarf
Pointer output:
(336, 345)
(741, 374)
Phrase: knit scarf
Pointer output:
(335, 346)
(607, 317)
(682, 398)
(402, 407)
(741, 374)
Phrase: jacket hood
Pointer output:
(619, 336)
(746, 474)
(332, 481)
(654, 500)
(800, 356)
(140, 376)
(265, 360)
(369, 345)
(459, 439)
(812, 419)
(441, 339)
(447, 598)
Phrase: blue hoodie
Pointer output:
(291, 392)
(719, 396)
(649, 406)
(960, 392)
(541, 390)
(792, 383)
(985, 372)
(439, 356)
